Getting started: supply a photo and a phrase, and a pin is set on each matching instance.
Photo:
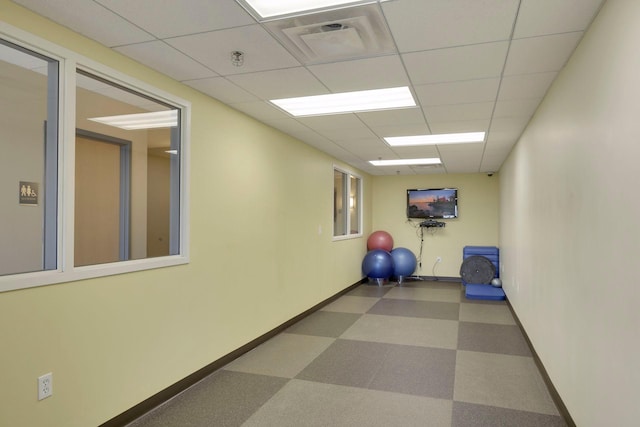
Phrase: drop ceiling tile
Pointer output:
(331, 122)
(500, 151)
(347, 134)
(466, 41)
(493, 159)
(362, 165)
(276, 84)
(427, 169)
(424, 151)
(401, 130)
(160, 56)
(103, 26)
(222, 89)
(513, 124)
(460, 126)
(356, 162)
(396, 117)
(463, 92)
(490, 168)
(519, 108)
(370, 141)
(393, 170)
(326, 145)
(333, 149)
(479, 61)
(470, 150)
(213, 49)
(491, 165)
(456, 164)
(525, 86)
(501, 141)
(501, 138)
(540, 54)
(371, 153)
(420, 25)
(176, 18)
(459, 112)
(467, 156)
(543, 17)
(468, 167)
(260, 110)
(371, 73)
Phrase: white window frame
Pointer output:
(70, 62)
(349, 174)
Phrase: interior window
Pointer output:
(347, 202)
(126, 173)
(29, 163)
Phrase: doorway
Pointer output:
(102, 197)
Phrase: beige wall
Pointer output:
(570, 235)
(477, 222)
(258, 201)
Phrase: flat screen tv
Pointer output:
(436, 203)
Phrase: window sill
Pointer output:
(347, 237)
(51, 277)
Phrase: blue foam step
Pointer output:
(485, 292)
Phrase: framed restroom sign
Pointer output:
(28, 193)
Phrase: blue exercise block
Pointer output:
(484, 292)
(492, 253)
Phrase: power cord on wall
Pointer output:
(420, 231)
(433, 270)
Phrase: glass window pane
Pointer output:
(28, 165)
(127, 174)
(339, 203)
(354, 205)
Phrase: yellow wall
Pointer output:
(570, 235)
(477, 222)
(258, 199)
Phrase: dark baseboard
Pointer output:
(173, 390)
(564, 412)
(433, 279)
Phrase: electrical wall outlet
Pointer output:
(439, 259)
(45, 386)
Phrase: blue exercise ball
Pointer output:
(377, 264)
(404, 262)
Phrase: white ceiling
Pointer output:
(472, 65)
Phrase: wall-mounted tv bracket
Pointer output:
(430, 223)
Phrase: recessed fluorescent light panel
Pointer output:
(156, 119)
(273, 8)
(406, 162)
(347, 102)
(445, 138)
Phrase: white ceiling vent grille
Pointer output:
(423, 167)
(335, 35)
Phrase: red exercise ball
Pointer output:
(380, 240)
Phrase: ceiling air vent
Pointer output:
(423, 167)
(346, 33)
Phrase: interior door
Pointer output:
(97, 202)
